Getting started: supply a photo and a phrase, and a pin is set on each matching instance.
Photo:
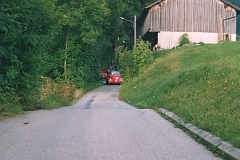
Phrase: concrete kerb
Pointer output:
(231, 152)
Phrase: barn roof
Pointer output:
(153, 4)
(224, 1)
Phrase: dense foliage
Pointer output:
(23, 28)
(134, 62)
(184, 40)
(64, 40)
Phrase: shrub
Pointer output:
(142, 55)
(134, 62)
(127, 67)
(238, 38)
(184, 40)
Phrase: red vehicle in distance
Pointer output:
(114, 77)
(103, 74)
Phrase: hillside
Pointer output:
(198, 83)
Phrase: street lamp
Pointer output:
(134, 28)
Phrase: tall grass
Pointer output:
(51, 95)
(199, 83)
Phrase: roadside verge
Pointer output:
(232, 153)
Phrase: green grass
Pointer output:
(8, 110)
(201, 84)
(54, 98)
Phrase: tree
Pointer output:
(65, 40)
(78, 41)
(23, 31)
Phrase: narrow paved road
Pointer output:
(97, 127)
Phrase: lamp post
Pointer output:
(134, 28)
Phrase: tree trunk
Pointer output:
(65, 55)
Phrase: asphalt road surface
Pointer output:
(97, 127)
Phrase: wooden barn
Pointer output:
(207, 21)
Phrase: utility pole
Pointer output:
(134, 28)
(135, 31)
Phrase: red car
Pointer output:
(114, 78)
(103, 74)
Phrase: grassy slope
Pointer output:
(199, 83)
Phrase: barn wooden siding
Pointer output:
(189, 16)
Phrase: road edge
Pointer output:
(232, 153)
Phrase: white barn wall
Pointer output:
(168, 40)
(199, 18)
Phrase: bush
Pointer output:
(134, 62)
(184, 40)
(142, 55)
(238, 38)
(126, 61)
